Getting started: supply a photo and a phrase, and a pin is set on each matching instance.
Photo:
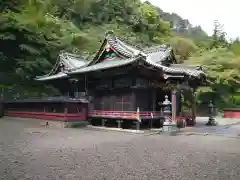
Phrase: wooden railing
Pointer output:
(124, 114)
(130, 114)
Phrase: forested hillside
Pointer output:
(182, 26)
(33, 32)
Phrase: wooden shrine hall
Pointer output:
(124, 83)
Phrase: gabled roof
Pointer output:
(104, 65)
(153, 60)
(161, 57)
(69, 61)
(72, 60)
(124, 50)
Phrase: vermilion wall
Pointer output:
(232, 113)
(51, 116)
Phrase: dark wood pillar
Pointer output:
(103, 121)
(181, 101)
(154, 100)
(71, 89)
(111, 99)
(133, 99)
(65, 108)
(138, 125)
(193, 99)
(119, 123)
(78, 88)
(1, 103)
(86, 84)
(174, 104)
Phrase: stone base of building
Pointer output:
(172, 133)
(114, 129)
(50, 123)
(61, 124)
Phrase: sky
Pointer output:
(204, 12)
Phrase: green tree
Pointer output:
(152, 24)
(235, 46)
(183, 48)
(30, 39)
(32, 33)
(219, 36)
(222, 68)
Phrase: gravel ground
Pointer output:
(28, 151)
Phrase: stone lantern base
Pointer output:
(211, 122)
(170, 128)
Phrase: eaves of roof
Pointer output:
(172, 69)
(52, 77)
(70, 61)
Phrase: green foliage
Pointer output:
(235, 47)
(223, 68)
(183, 48)
(151, 23)
(31, 39)
(219, 36)
(33, 32)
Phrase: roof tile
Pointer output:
(104, 65)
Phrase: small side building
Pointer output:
(69, 111)
(58, 77)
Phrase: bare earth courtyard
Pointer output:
(28, 151)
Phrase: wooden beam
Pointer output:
(193, 99)
(182, 101)
(133, 99)
(154, 99)
(174, 104)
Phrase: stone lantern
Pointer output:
(211, 119)
(166, 107)
(168, 125)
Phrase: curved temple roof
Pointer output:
(68, 61)
(161, 57)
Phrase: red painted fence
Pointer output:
(83, 116)
(123, 114)
(127, 114)
(51, 116)
(232, 113)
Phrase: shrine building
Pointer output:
(121, 84)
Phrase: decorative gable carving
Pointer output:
(109, 53)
